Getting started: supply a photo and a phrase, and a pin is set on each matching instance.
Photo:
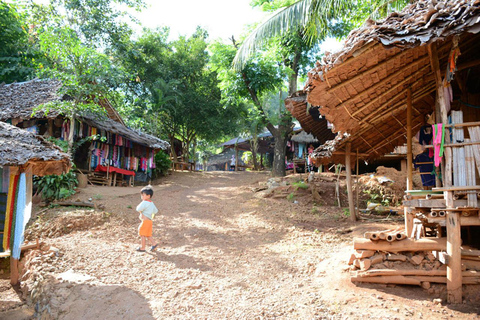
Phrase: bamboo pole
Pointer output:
(409, 140)
(474, 133)
(411, 272)
(424, 244)
(348, 169)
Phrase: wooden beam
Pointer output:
(454, 265)
(424, 244)
(348, 169)
(393, 139)
(409, 140)
(467, 65)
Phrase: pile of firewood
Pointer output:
(412, 268)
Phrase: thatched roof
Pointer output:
(308, 118)
(362, 89)
(21, 148)
(17, 101)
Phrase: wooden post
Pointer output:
(408, 216)
(357, 187)
(236, 158)
(348, 169)
(50, 127)
(409, 140)
(454, 263)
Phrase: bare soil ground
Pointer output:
(225, 253)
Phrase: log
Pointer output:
(454, 265)
(362, 254)
(378, 258)
(388, 279)
(434, 244)
(411, 272)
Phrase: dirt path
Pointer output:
(224, 254)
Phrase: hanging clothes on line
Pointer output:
(438, 139)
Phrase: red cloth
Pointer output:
(113, 169)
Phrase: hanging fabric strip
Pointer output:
(20, 217)
(438, 137)
(8, 219)
(13, 209)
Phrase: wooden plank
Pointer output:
(475, 135)
(348, 170)
(464, 221)
(454, 263)
(470, 175)
(464, 188)
(424, 244)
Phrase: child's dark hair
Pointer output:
(147, 190)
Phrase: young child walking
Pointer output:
(147, 211)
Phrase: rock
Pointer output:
(437, 301)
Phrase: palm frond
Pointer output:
(278, 23)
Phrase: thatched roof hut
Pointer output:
(309, 118)
(362, 89)
(23, 149)
(18, 100)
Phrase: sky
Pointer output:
(221, 18)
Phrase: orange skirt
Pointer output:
(145, 228)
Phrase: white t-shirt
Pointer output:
(148, 209)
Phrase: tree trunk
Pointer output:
(172, 148)
(254, 147)
(70, 136)
(280, 135)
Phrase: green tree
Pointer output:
(82, 71)
(170, 84)
(16, 51)
(315, 19)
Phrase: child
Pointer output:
(147, 211)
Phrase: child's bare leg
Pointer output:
(143, 243)
(151, 241)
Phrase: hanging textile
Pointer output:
(20, 219)
(8, 213)
(14, 214)
(301, 148)
(438, 139)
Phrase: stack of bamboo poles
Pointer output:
(389, 235)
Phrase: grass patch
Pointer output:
(300, 185)
(291, 197)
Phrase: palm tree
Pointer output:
(314, 18)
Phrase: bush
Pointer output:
(162, 164)
(55, 187)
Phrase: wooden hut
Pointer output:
(22, 154)
(118, 149)
(379, 90)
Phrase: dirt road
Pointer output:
(224, 254)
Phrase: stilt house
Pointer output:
(390, 76)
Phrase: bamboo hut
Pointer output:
(115, 147)
(380, 88)
(22, 154)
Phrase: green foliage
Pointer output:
(346, 212)
(16, 49)
(55, 187)
(291, 196)
(162, 163)
(300, 185)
